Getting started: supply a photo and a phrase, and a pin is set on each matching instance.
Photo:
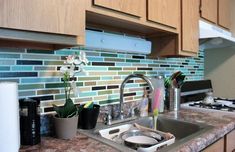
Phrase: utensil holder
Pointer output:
(88, 117)
(174, 99)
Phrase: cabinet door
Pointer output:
(50, 16)
(165, 12)
(190, 27)
(209, 10)
(224, 13)
(131, 7)
(230, 141)
(218, 146)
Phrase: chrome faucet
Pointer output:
(121, 116)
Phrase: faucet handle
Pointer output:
(107, 118)
(121, 115)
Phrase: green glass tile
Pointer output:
(40, 80)
(105, 92)
(44, 68)
(108, 55)
(64, 52)
(54, 85)
(139, 72)
(53, 62)
(27, 93)
(94, 54)
(79, 84)
(115, 68)
(88, 78)
(108, 101)
(4, 68)
(15, 50)
(132, 60)
(143, 85)
(40, 92)
(59, 96)
(114, 59)
(10, 56)
(138, 97)
(124, 73)
(113, 96)
(22, 68)
(40, 51)
(10, 80)
(39, 56)
(121, 56)
(30, 86)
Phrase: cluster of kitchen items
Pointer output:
(173, 85)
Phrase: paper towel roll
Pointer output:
(9, 117)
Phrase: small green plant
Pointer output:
(176, 80)
(69, 69)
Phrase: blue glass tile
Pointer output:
(38, 80)
(87, 94)
(22, 68)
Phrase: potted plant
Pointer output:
(66, 118)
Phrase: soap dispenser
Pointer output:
(144, 105)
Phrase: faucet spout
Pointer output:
(145, 78)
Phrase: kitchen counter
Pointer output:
(80, 143)
(223, 123)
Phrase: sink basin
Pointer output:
(183, 131)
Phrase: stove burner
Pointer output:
(215, 106)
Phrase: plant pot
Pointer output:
(66, 128)
(88, 117)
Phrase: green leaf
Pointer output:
(68, 110)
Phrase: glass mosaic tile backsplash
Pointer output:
(38, 75)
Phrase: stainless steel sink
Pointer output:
(183, 131)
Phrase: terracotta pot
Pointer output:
(66, 128)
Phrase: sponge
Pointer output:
(89, 104)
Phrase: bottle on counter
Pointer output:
(144, 105)
(159, 87)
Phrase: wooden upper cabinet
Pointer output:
(165, 12)
(131, 7)
(49, 16)
(209, 10)
(190, 27)
(224, 13)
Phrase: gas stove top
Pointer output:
(219, 104)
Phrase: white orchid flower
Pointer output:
(71, 70)
(83, 57)
(64, 69)
(70, 59)
(77, 62)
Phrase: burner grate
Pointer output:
(216, 105)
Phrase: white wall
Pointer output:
(220, 68)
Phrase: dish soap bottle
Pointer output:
(144, 105)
